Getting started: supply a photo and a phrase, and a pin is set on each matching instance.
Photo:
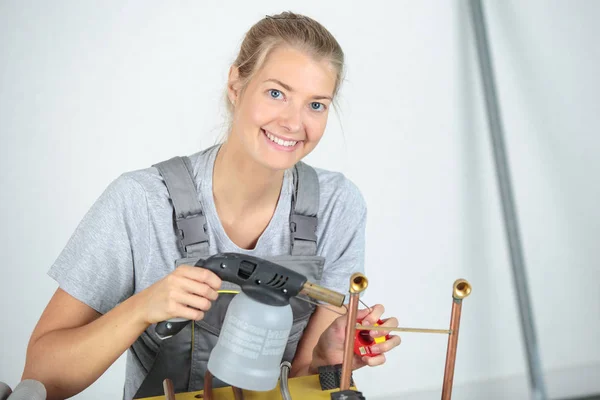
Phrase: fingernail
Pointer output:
(375, 349)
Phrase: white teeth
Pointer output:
(281, 142)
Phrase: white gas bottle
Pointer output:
(251, 344)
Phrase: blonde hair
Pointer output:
(286, 29)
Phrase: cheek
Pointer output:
(260, 112)
(247, 113)
(315, 129)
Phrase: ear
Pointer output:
(233, 84)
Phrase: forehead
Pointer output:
(299, 70)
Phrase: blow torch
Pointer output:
(258, 320)
(262, 280)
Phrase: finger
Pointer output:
(362, 313)
(358, 362)
(189, 313)
(390, 323)
(374, 361)
(389, 344)
(191, 300)
(199, 289)
(374, 315)
(202, 275)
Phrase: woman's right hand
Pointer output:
(187, 292)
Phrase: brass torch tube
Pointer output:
(320, 293)
(461, 289)
(358, 283)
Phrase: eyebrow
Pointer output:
(289, 88)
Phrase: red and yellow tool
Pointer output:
(364, 342)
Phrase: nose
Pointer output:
(291, 118)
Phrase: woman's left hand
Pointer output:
(330, 347)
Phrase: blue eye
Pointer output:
(276, 94)
(317, 106)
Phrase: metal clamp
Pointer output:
(192, 229)
(303, 227)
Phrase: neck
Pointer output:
(240, 183)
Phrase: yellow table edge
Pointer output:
(301, 388)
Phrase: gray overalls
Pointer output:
(183, 358)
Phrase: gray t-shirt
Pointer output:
(126, 242)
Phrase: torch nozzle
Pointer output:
(320, 293)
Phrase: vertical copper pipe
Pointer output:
(349, 342)
(168, 389)
(461, 289)
(238, 394)
(451, 350)
(358, 283)
(208, 386)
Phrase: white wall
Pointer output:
(89, 90)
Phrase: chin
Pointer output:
(278, 163)
(279, 160)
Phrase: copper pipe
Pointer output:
(461, 289)
(358, 283)
(207, 386)
(168, 389)
(349, 342)
(238, 394)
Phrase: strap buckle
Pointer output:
(192, 229)
(303, 227)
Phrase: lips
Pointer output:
(280, 141)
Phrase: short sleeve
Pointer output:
(343, 235)
(98, 264)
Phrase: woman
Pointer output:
(126, 267)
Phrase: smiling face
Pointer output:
(282, 113)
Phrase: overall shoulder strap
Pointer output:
(305, 206)
(189, 217)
